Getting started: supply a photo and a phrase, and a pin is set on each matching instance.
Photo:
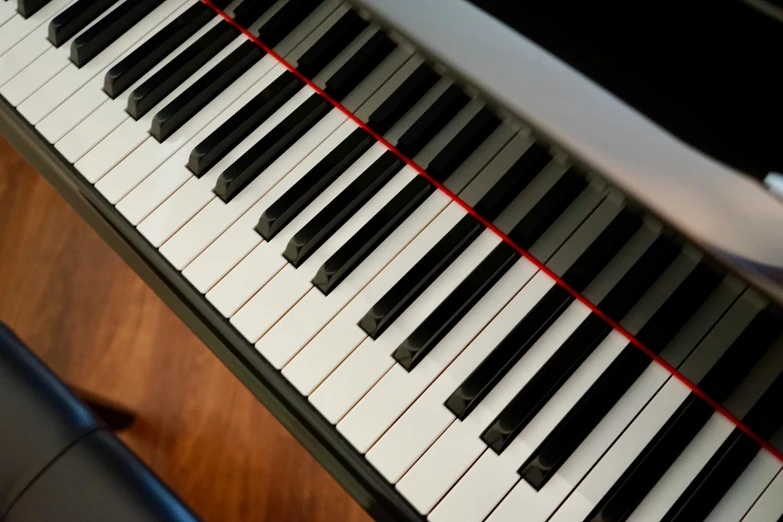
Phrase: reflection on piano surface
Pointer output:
(459, 379)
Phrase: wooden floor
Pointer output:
(98, 326)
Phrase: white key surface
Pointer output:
(747, 489)
(682, 472)
(395, 392)
(90, 97)
(372, 359)
(43, 68)
(71, 78)
(255, 270)
(769, 507)
(623, 452)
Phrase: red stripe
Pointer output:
(505, 238)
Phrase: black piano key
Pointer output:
(618, 377)
(386, 220)
(150, 53)
(371, 234)
(432, 121)
(342, 207)
(463, 145)
(331, 44)
(312, 184)
(639, 278)
(179, 69)
(547, 209)
(714, 480)
(741, 356)
(216, 80)
(358, 66)
(626, 494)
(504, 356)
(270, 147)
(235, 129)
(102, 34)
(402, 99)
(75, 18)
(582, 418)
(535, 394)
(396, 300)
(724, 376)
(659, 454)
(420, 276)
(735, 454)
(179, 111)
(683, 302)
(28, 8)
(435, 327)
(579, 345)
(281, 23)
(517, 343)
(601, 250)
(246, 13)
(512, 182)
(766, 416)
(525, 334)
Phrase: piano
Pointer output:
(473, 281)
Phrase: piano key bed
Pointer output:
(427, 364)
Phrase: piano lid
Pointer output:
(722, 208)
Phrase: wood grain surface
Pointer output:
(98, 326)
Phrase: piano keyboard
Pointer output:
(472, 382)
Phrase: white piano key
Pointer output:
(71, 78)
(480, 490)
(41, 69)
(18, 27)
(149, 156)
(24, 53)
(294, 283)
(490, 479)
(769, 507)
(196, 193)
(340, 334)
(27, 50)
(152, 153)
(88, 133)
(112, 149)
(102, 122)
(157, 188)
(538, 506)
(372, 359)
(458, 448)
(298, 327)
(240, 238)
(255, 270)
(682, 472)
(396, 391)
(322, 354)
(748, 487)
(217, 216)
(178, 209)
(428, 418)
(623, 452)
(90, 97)
(7, 10)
